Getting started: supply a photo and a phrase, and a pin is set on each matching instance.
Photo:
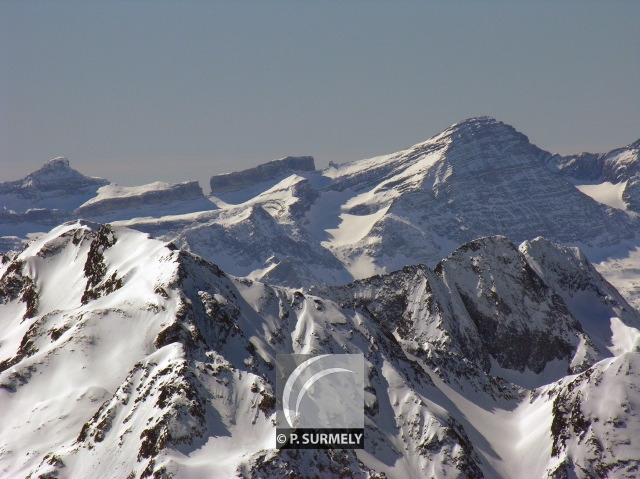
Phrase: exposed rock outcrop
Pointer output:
(265, 172)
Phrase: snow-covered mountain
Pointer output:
(480, 177)
(271, 171)
(41, 200)
(54, 186)
(122, 356)
(113, 202)
(477, 178)
(286, 223)
(613, 179)
(146, 347)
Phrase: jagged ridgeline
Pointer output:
(124, 356)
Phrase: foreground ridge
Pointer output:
(153, 362)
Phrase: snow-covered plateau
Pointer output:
(491, 286)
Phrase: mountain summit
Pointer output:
(54, 186)
(482, 127)
(55, 175)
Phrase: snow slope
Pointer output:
(606, 193)
(153, 200)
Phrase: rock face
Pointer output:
(265, 172)
(111, 198)
(159, 356)
(478, 178)
(497, 306)
(579, 422)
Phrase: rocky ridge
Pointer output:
(262, 173)
(111, 198)
(477, 178)
(621, 165)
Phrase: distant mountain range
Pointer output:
(286, 223)
(146, 347)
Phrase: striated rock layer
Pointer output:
(112, 197)
(478, 178)
(621, 165)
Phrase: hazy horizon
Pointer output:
(137, 92)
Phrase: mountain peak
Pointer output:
(479, 120)
(54, 168)
(57, 174)
(481, 127)
(55, 185)
(57, 163)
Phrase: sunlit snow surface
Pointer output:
(606, 193)
(623, 271)
(350, 221)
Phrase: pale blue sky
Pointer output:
(141, 91)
